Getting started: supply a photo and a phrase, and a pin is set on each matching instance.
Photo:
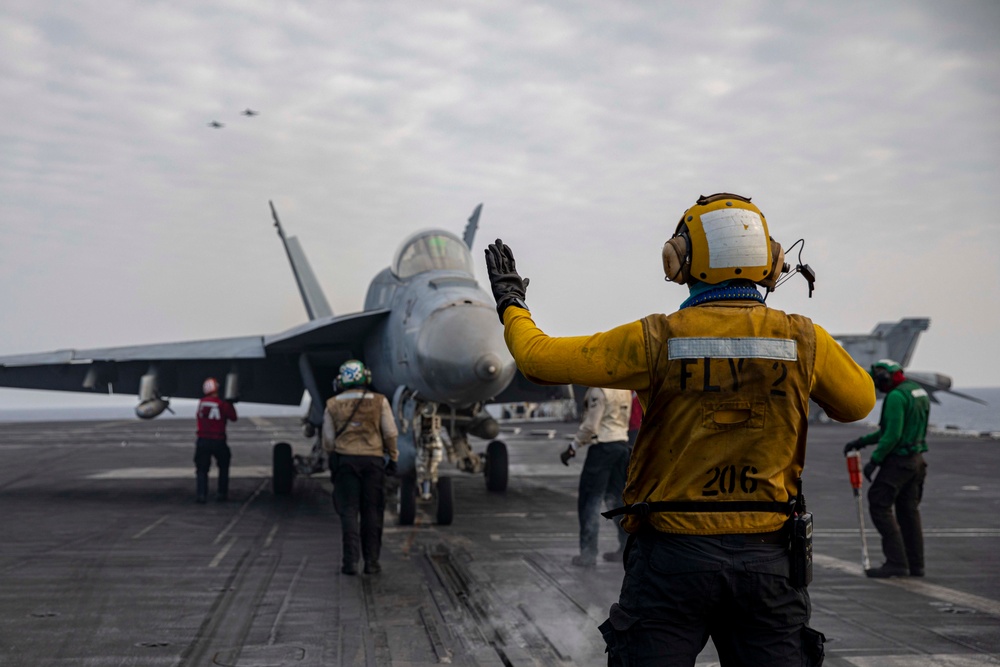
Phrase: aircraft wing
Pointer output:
(935, 382)
(268, 366)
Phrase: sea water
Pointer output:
(952, 412)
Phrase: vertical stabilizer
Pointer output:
(901, 338)
(470, 229)
(312, 294)
(888, 340)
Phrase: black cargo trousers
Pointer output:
(900, 485)
(205, 449)
(679, 590)
(359, 490)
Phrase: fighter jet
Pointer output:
(896, 341)
(428, 332)
(250, 112)
(216, 124)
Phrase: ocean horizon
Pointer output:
(950, 413)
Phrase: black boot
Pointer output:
(887, 571)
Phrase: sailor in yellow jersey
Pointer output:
(725, 384)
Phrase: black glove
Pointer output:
(870, 469)
(567, 455)
(390, 468)
(853, 446)
(508, 286)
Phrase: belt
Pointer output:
(645, 509)
(780, 536)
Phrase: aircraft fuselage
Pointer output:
(442, 339)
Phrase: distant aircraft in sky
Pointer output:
(216, 124)
(250, 112)
(428, 332)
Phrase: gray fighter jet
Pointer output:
(250, 112)
(896, 341)
(216, 124)
(428, 332)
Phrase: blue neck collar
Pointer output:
(730, 290)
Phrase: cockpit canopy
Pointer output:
(432, 250)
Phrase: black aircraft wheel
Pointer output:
(407, 501)
(283, 470)
(496, 466)
(446, 502)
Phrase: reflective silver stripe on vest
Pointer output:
(732, 348)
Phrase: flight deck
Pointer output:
(105, 559)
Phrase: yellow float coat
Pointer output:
(724, 388)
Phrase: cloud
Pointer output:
(869, 131)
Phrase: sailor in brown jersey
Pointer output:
(358, 433)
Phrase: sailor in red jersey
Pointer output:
(213, 413)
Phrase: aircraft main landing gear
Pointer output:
(445, 502)
(407, 506)
(282, 469)
(497, 466)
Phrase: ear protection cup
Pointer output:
(677, 259)
(777, 266)
(882, 379)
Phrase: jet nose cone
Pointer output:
(462, 355)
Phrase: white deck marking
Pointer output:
(916, 585)
(939, 660)
(177, 473)
(270, 536)
(239, 515)
(222, 553)
(928, 532)
(150, 527)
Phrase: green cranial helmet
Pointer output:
(888, 364)
(353, 373)
(886, 373)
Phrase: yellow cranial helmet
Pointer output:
(722, 237)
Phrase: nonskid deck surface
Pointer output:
(106, 560)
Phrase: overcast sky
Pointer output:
(871, 130)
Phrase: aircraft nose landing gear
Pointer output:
(442, 492)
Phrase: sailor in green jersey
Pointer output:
(902, 470)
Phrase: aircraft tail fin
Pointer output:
(312, 294)
(470, 229)
(901, 337)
